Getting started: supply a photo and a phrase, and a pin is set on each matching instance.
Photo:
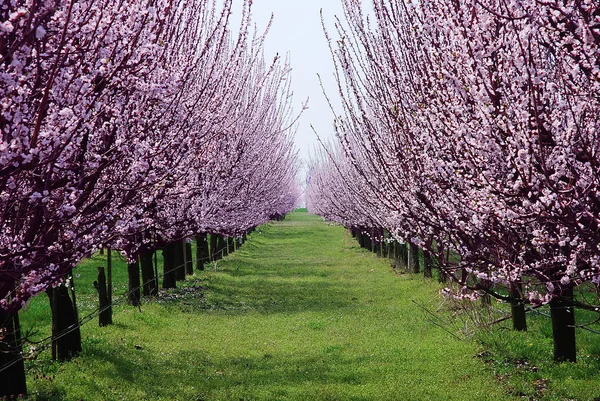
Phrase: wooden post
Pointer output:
(109, 275)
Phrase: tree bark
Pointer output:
(213, 247)
(442, 278)
(169, 280)
(133, 279)
(563, 327)
(517, 308)
(66, 335)
(427, 270)
(12, 378)
(149, 284)
(231, 244)
(201, 251)
(179, 260)
(413, 258)
(404, 255)
(222, 246)
(105, 315)
(189, 263)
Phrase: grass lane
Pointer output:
(299, 313)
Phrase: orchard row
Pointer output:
(471, 129)
(131, 125)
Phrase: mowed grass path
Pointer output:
(299, 313)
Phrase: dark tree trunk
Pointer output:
(427, 270)
(377, 247)
(66, 335)
(189, 263)
(231, 244)
(222, 246)
(149, 284)
(399, 261)
(105, 315)
(201, 251)
(563, 327)
(517, 308)
(12, 378)
(169, 280)
(179, 260)
(213, 247)
(404, 255)
(414, 258)
(133, 278)
(442, 278)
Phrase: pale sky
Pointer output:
(297, 31)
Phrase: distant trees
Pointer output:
(473, 127)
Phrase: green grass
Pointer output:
(523, 361)
(299, 313)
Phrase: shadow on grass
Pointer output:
(281, 296)
(195, 371)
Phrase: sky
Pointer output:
(296, 31)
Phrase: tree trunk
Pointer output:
(12, 378)
(231, 244)
(404, 255)
(442, 278)
(517, 307)
(222, 246)
(213, 248)
(399, 262)
(105, 315)
(377, 247)
(392, 253)
(413, 258)
(149, 284)
(189, 263)
(133, 278)
(563, 327)
(201, 251)
(179, 260)
(427, 270)
(66, 336)
(168, 267)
